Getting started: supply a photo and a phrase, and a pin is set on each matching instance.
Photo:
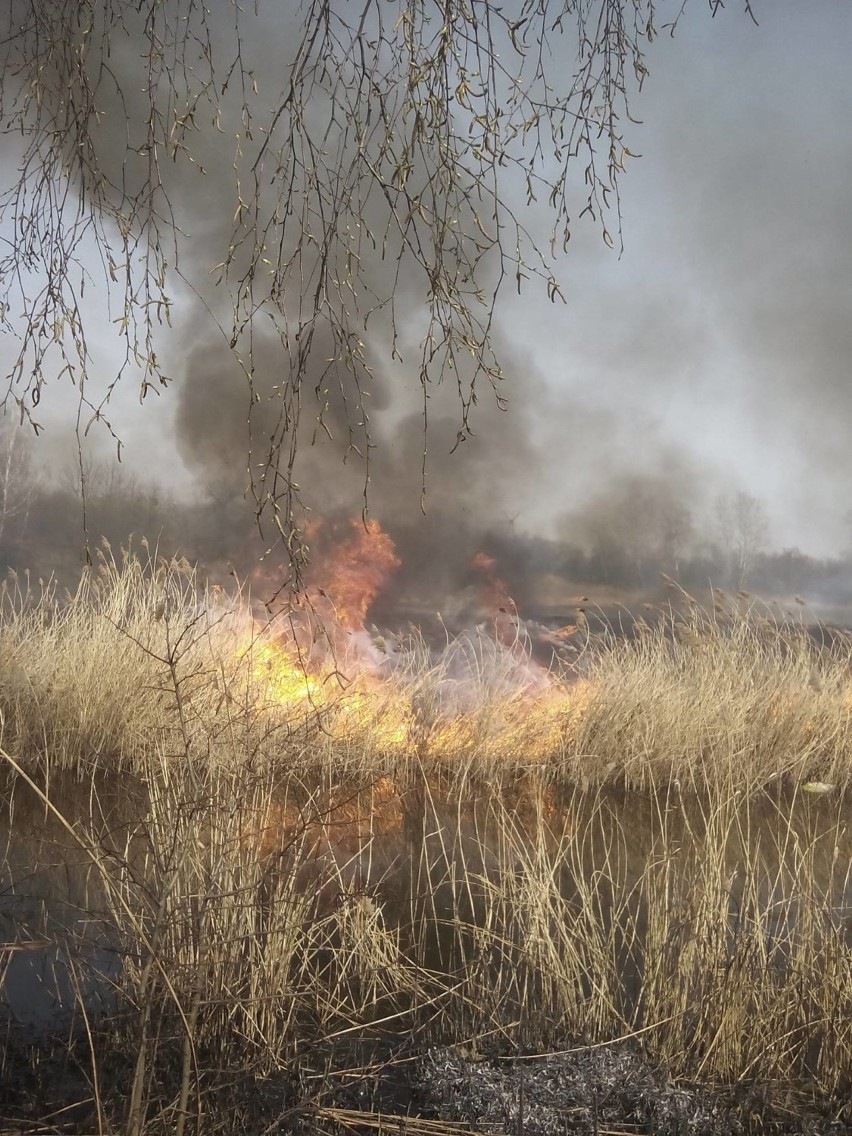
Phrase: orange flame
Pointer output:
(355, 571)
(357, 689)
(495, 594)
(496, 599)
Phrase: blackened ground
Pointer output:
(368, 1087)
(594, 1090)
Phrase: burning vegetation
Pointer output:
(320, 655)
(300, 853)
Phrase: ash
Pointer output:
(574, 1092)
(587, 1091)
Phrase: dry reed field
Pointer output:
(269, 878)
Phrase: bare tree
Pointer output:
(743, 531)
(16, 480)
(368, 152)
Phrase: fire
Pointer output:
(482, 693)
(495, 595)
(285, 680)
(355, 572)
(386, 713)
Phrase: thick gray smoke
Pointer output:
(602, 446)
(438, 512)
(747, 130)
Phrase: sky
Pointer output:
(708, 356)
(722, 333)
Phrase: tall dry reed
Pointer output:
(658, 847)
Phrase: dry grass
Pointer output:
(734, 698)
(460, 853)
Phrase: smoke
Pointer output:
(710, 358)
(754, 211)
(438, 495)
(630, 413)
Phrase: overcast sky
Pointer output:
(714, 352)
(724, 331)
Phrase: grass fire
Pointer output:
(277, 864)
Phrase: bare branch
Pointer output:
(375, 184)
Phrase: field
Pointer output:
(254, 877)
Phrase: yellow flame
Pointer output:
(380, 711)
(282, 677)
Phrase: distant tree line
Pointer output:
(623, 551)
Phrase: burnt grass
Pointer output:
(600, 1090)
(609, 1089)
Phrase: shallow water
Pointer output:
(430, 859)
(58, 948)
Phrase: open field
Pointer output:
(241, 864)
